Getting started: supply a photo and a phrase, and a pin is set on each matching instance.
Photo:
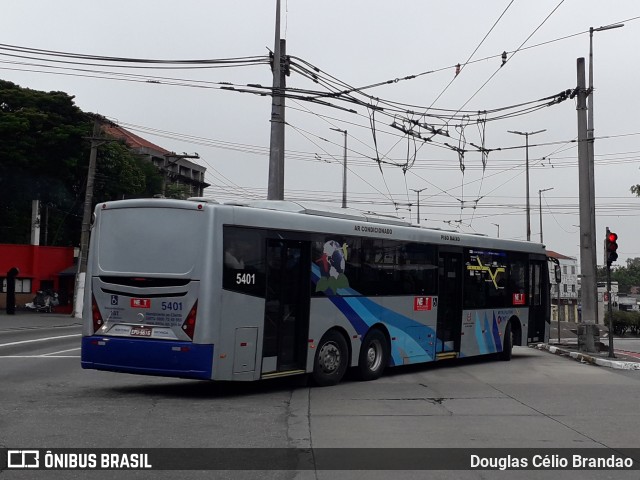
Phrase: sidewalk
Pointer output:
(27, 319)
(568, 346)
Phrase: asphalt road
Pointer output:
(538, 400)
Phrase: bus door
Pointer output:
(539, 316)
(449, 303)
(286, 319)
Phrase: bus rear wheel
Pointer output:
(374, 355)
(332, 357)
(507, 344)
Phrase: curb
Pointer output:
(585, 358)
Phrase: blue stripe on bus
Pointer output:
(354, 313)
(480, 339)
(148, 357)
(415, 340)
(496, 334)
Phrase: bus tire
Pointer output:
(507, 344)
(374, 355)
(331, 360)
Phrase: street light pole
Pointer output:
(418, 192)
(526, 134)
(540, 198)
(498, 228)
(591, 153)
(344, 169)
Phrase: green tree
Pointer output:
(120, 174)
(627, 276)
(44, 155)
(175, 190)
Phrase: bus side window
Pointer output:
(243, 261)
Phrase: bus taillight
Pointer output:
(189, 324)
(96, 315)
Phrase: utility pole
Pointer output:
(540, 199)
(588, 333)
(526, 134)
(96, 141)
(344, 169)
(276, 153)
(418, 192)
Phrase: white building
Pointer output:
(568, 289)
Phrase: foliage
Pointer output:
(43, 143)
(627, 276)
(120, 174)
(624, 322)
(44, 155)
(178, 191)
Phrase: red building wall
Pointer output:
(38, 263)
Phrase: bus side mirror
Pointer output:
(558, 274)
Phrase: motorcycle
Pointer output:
(44, 301)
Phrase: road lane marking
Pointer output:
(39, 356)
(22, 342)
(61, 351)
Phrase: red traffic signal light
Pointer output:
(611, 247)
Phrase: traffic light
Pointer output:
(611, 247)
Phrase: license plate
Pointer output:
(140, 332)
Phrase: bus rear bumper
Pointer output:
(148, 357)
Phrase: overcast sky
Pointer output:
(361, 43)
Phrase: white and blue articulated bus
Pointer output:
(197, 289)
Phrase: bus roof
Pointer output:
(328, 211)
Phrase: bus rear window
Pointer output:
(150, 240)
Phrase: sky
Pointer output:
(399, 60)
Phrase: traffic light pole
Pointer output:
(610, 312)
(610, 256)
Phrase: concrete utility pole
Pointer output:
(526, 134)
(418, 192)
(540, 199)
(276, 155)
(588, 333)
(96, 141)
(344, 168)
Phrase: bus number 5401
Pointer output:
(246, 278)
(171, 306)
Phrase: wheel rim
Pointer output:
(374, 356)
(329, 357)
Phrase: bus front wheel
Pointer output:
(374, 355)
(331, 359)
